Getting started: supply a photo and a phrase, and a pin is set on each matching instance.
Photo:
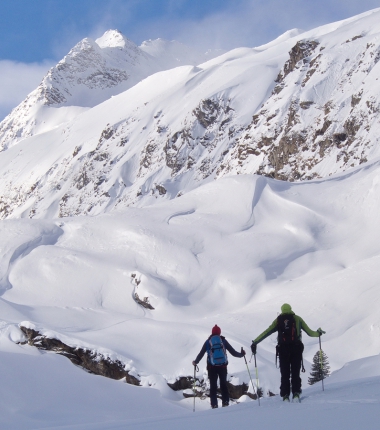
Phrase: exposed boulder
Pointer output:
(182, 383)
(144, 302)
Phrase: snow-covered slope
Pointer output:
(42, 391)
(233, 250)
(230, 252)
(140, 283)
(303, 106)
(92, 72)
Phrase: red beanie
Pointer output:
(216, 330)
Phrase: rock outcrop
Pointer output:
(186, 383)
(88, 359)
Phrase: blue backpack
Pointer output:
(216, 351)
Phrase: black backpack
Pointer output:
(287, 330)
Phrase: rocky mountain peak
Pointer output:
(92, 72)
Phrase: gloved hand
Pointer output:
(320, 331)
(242, 351)
(194, 363)
(253, 348)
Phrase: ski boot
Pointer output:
(296, 398)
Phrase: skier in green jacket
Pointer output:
(289, 348)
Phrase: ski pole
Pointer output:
(250, 377)
(257, 380)
(196, 369)
(321, 361)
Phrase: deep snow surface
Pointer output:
(231, 252)
(50, 393)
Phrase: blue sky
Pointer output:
(36, 30)
(35, 34)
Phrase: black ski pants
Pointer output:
(213, 373)
(290, 367)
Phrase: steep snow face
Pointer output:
(323, 114)
(303, 106)
(90, 73)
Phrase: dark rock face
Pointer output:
(300, 51)
(88, 359)
(177, 148)
(280, 155)
(207, 112)
(184, 148)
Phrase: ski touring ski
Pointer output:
(296, 399)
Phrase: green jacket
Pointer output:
(300, 325)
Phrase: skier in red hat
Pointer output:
(216, 347)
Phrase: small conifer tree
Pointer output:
(318, 371)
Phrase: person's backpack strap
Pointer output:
(277, 355)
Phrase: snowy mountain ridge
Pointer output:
(93, 71)
(304, 106)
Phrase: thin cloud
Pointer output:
(250, 22)
(17, 81)
(234, 23)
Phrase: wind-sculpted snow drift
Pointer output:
(229, 251)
